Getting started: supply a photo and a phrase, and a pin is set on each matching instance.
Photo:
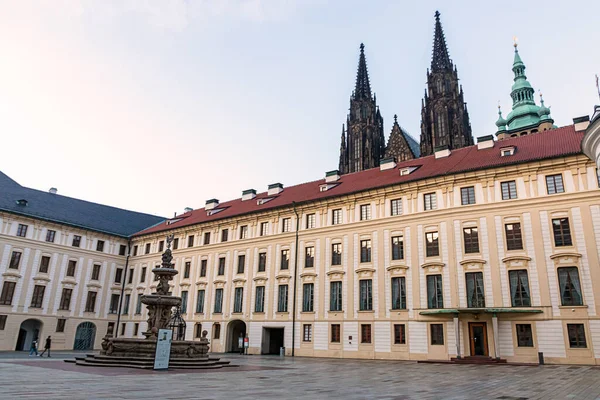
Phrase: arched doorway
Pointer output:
(28, 331)
(84, 336)
(235, 329)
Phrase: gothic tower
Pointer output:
(444, 115)
(363, 144)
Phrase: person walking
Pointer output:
(34, 347)
(47, 346)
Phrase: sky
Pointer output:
(157, 105)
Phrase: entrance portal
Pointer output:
(478, 338)
(235, 329)
(29, 330)
(84, 337)
(272, 340)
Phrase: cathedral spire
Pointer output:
(363, 87)
(440, 59)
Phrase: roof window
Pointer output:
(22, 202)
(507, 151)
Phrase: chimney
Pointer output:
(248, 194)
(581, 123)
(275, 188)
(485, 142)
(211, 204)
(387, 163)
(187, 210)
(442, 151)
(332, 176)
(53, 190)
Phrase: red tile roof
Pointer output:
(550, 144)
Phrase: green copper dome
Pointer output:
(501, 122)
(544, 111)
(525, 112)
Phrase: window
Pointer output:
(175, 243)
(22, 230)
(514, 240)
(221, 270)
(241, 263)
(138, 305)
(399, 293)
(186, 269)
(307, 333)
(308, 291)
(198, 330)
(130, 276)
(161, 246)
(50, 235)
(570, 290)
(125, 310)
(65, 299)
(519, 288)
(38, 296)
(190, 242)
(203, 268)
(475, 290)
(562, 232)
(135, 250)
(396, 207)
(366, 295)
(309, 259)
(216, 331)
(399, 334)
(365, 212)
(136, 329)
(336, 216)
(90, 303)
(576, 336)
(311, 220)
(118, 275)
(437, 334)
(60, 325)
(429, 201)
(554, 184)
(435, 295)
(467, 195)
(143, 275)
(335, 293)
(262, 262)
(397, 248)
(200, 301)
(243, 231)
(100, 245)
(509, 190)
(71, 268)
(8, 290)
(432, 248)
(218, 301)
(285, 259)
(114, 304)
(224, 235)
(282, 301)
(259, 301)
(3, 322)
(524, 335)
(365, 251)
(147, 250)
(44, 264)
(122, 250)
(15, 260)
(238, 300)
(76, 241)
(335, 333)
(471, 239)
(264, 228)
(365, 333)
(286, 225)
(123, 326)
(336, 254)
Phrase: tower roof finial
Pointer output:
(395, 118)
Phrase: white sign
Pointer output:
(163, 349)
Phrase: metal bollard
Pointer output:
(282, 351)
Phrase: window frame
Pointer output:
(554, 184)
(336, 296)
(574, 287)
(467, 196)
(284, 263)
(577, 336)
(471, 240)
(309, 257)
(282, 298)
(436, 332)
(396, 207)
(218, 306)
(477, 299)
(241, 264)
(65, 299)
(238, 300)
(514, 240)
(366, 334)
(308, 297)
(22, 230)
(336, 216)
(311, 221)
(397, 247)
(259, 300)
(429, 201)
(561, 232)
(432, 246)
(437, 300)
(37, 298)
(76, 242)
(508, 190)
(365, 212)
(50, 236)
(200, 299)
(8, 293)
(262, 261)
(398, 293)
(524, 333)
(365, 298)
(366, 251)
(399, 333)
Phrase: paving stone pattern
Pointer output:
(271, 377)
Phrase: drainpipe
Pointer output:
(295, 279)
(116, 331)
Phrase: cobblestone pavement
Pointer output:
(267, 377)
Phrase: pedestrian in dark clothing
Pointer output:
(47, 347)
(34, 346)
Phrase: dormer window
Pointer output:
(507, 151)
(215, 211)
(262, 201)
(407, 170)
(21, 202)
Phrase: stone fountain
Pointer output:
(139, 353)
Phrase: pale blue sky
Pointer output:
(158, 105)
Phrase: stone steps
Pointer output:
(94, 360)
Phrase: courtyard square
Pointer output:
(272, 377)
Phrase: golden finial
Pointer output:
(515, 41)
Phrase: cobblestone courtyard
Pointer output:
(286, 378)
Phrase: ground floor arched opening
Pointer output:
(28, 332)
(85, 336)
(235, 330)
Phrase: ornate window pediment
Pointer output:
(433, 266)
(473, 264)
(365, 272)
(397, 269)
(565, 258)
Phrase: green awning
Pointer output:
(481, 310)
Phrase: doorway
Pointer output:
(235, 329)
(272, 340)
(478, 338)
(29, 330)
(84, 336)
